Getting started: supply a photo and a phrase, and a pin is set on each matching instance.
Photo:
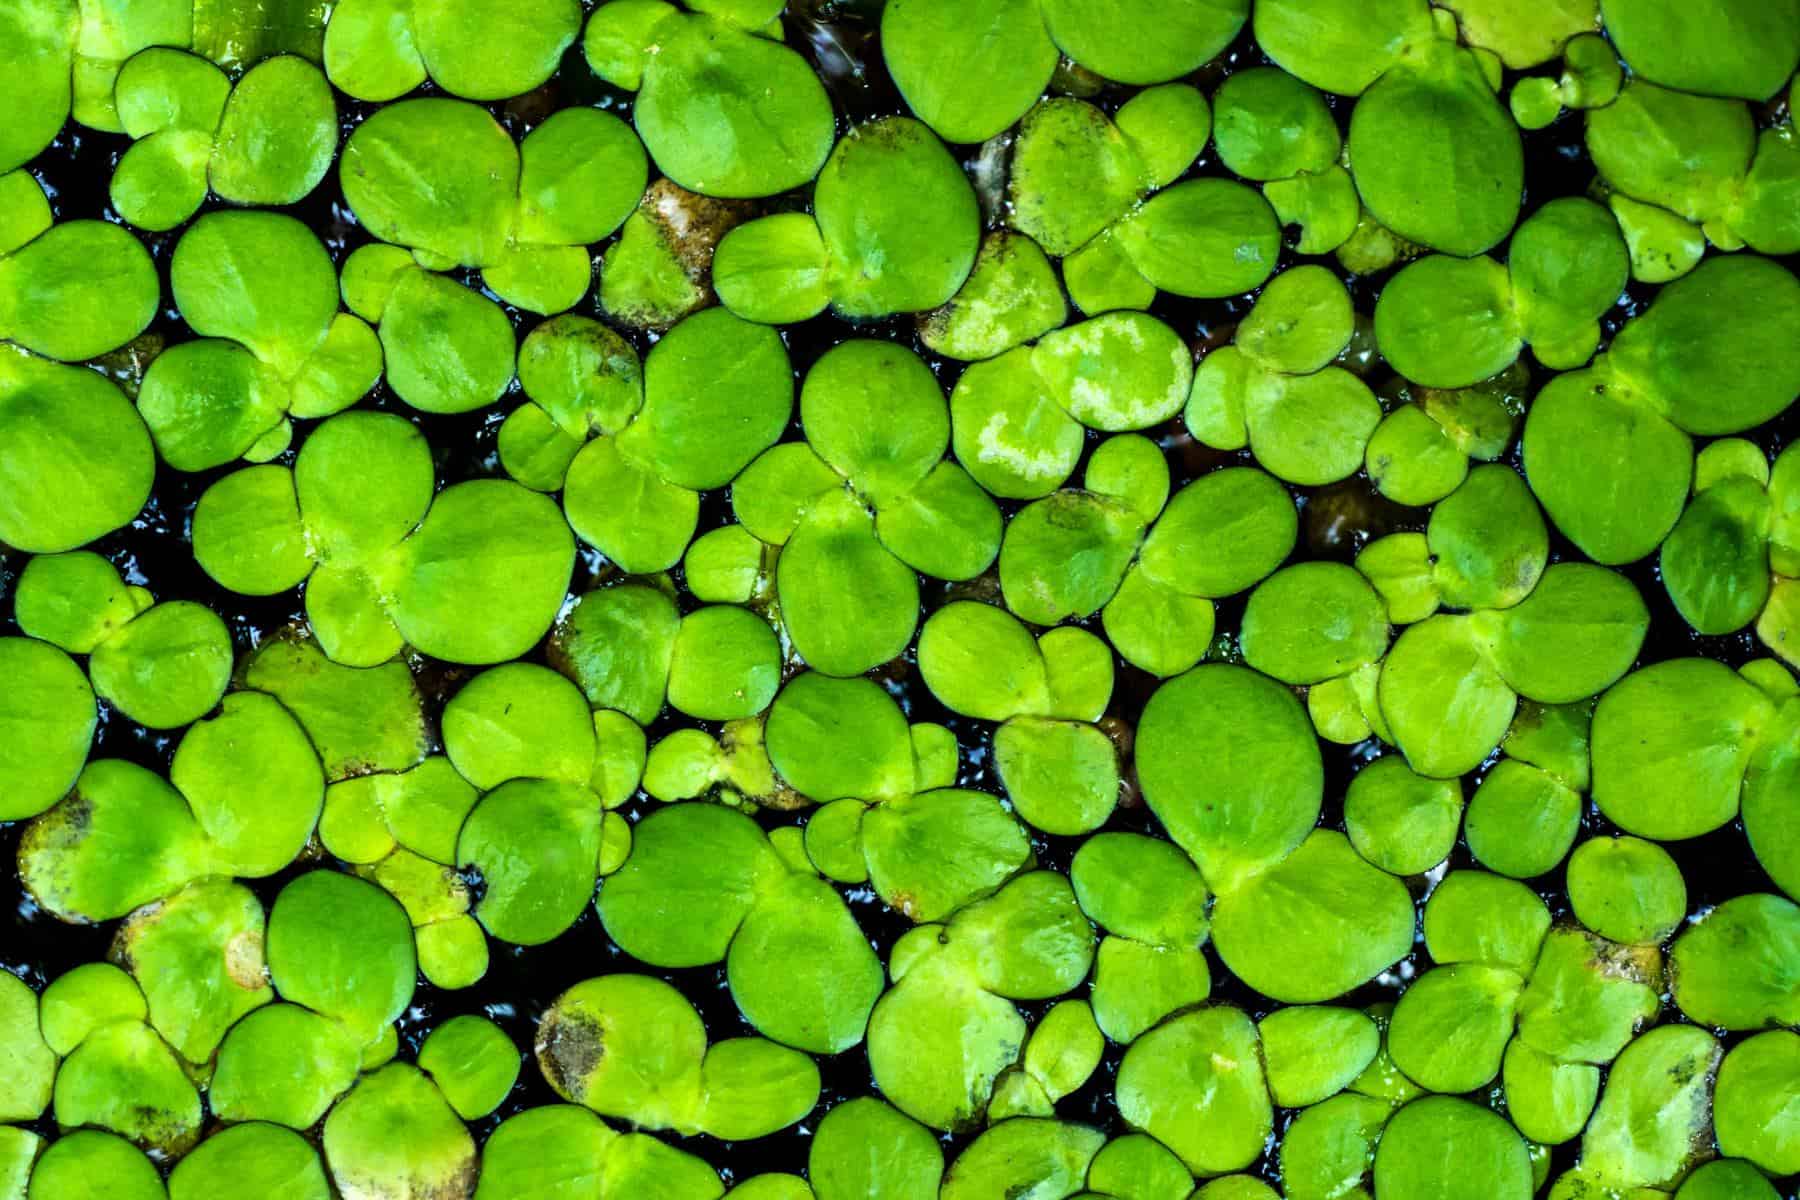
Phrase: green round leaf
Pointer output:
(485, 574)
(1451, 1149)
(121, 838)
(254, 783)
(77, 290)
(932, 853)
(75, 460)
(1117, 41)
(1436, 158)
(934, 49)
(393, 1134)
(1734, 50)
(1735, 967)
(343, 948)
(519, 721)
(847, 602)
(285, 1064)
(31, 1064)
(1221, 534)
(1011, 297)
(1451, 1026)
(47, 723)
(1023, 1152)
(1671, 744)
(773, 269)
(718, 857)
(1272, 126)
(1237, 802)
(767, 121)
(1448, 322)
(124, 1078)
(584, 375)
(1626, 889)
(1013, 439)
(1445, 703)
(874, 412)
(899, 219)
(1476, 917)
(836, 738)
(261, 1156)
(1402, 822)
(1195, 1084)
(1613, 477)
(1312, 622)
(1063, 556)
(278, 135)
(537, 845)
(548, 1151)
(1548, 1101)
(718, 391)
(40, 40)
(1707, 352)
(1315, 925)
(1061, 776)
(167, 667)
(247, 532)
(1349, 48)
(433, 174)
(483, 53)
(448, 349)
(1204, 238)
(1576, 634)
(1312, 1052)
(906, 1162)
(617, 645)
(801, 970)
(91, 1165)
(1751, 1106)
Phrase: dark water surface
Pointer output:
(522, 981)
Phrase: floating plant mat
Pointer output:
(1181, 599)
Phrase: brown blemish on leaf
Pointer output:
(459, 1186)
(47, 837)
(691, 225)
(1632, 964)
(244, 962)
(570, 1047)
(902, 902)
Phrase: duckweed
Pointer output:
(899, 599)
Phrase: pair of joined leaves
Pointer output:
(69, 290)
(1608, 449)
(262, 291)
(442, 178)
(123, 837)
(1555, 635)
(1278, 389)
(1435, 157)
(267, 139)
(971, 70)
(1667, 766)
(894, 228)
(1699, 171)
(1447, 322)
(62, 58)
(385, 558)
(1139, 230)
(877, 430)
